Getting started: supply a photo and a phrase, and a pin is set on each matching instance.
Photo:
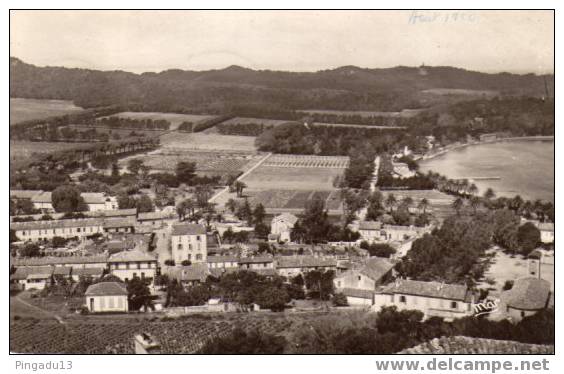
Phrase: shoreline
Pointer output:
(500, 140)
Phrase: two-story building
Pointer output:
(433, 299)
(189, 242)
(263, 265)
(130, 264)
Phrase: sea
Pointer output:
(525, 167)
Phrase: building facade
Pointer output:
(106, 297)
(131, 264)
(189, 242)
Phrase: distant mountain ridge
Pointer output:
(347, 87)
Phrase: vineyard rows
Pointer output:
(299, 161)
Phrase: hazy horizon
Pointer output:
(519, 42)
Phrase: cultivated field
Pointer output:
(359, 126)
(276, 201)
(29, 109)
(406, 113)
(200, 141)
(292, 178)
(207, 162)
(248, 120)
(175, 119)
(23, 152)
(122, 133)
(300, 161)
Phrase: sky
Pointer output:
(139, 41)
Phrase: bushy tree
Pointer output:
(67, 199)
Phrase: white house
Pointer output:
(282, 226)
(74, 262)
(42, 201)
(28, 277)
(130, 264)
(189, 242)
(98, 201)
(106, 297)
(65, 228)
(434, 299)
(546, 232)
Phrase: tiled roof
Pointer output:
(304, 262)
(370, 225)
(151, 216)
(354, 292)
(23, 272)
(39, 261)
(188, 229)
(56, 224)
(131, 256)
(24, 194)
(467, 345)
(93, 197)
(62, 270)
(194, 272)
(43, 197)
(215, 259)
(376, 267)
(218, 272)
(38, 276)
(88, 272)
(106, 289)
(255, 260)
(119, 222)
(111, 213)
(428, 289)
(527, 294)
(287, 217)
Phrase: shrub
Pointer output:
(186, 263)
(340, 299)
(169, 263)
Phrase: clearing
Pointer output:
(22, 110)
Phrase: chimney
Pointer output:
(145, 344)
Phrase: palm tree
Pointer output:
(475, 203)
(391, 201)
(457, 205)
(423, 204)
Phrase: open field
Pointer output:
(406, 113)
(248, 120)
(175, 119)
(29, 109)
(123, 133)
(201, 141)
(22, 152)
(114, 334)
(208, 162)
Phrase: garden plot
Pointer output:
(277, 201)
(440, 204)
(201, 141)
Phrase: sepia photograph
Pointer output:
(282, 182)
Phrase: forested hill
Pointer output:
(344, 88)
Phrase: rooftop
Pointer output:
(369, 225)
(151, 216)
(214, 259)
(188, 229)
(527, 294)
(55, 224)
(22, 273)
(106, 289)
(93, 197)
(119, 222)
(288, 217)
(24, 194)
(376, 267)
(546, 226)
(354, 292)
(304, 261)
(43, 197)
(40, 261)
(467, 345)
(131, 256)
(428, 289)
(255, 260)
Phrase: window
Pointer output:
(198, 238)
(127, 266)
(138, 265)
(264, 265)
(134, 275)
(142, 275)
(180, 246)
(198, 257)
(522, 313)
(453, 305)
(359, 277)
(54, 231)
(78, 229)
(402, 299)
(190, 247)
